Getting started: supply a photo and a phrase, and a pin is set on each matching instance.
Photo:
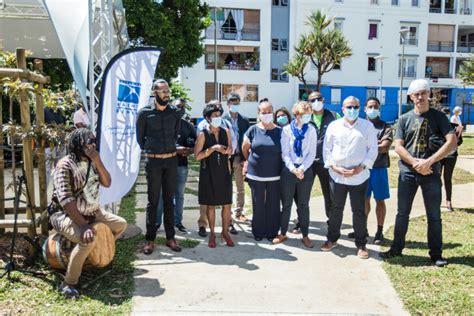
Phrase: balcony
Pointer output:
(441, 46)
(245, 26)
(465, 39)
(233, 58)
(435, 6)
(438, 67)
(467, 47)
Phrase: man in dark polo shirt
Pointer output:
(158, 128)
(420, 153)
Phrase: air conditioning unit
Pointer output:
(283, 76)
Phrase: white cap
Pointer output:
(418, 85)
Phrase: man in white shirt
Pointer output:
(350, 150)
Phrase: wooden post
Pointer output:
(43, 188)
(27, 143)
(2, 170)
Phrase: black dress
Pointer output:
(215, 180)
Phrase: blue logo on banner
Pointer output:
(128, 97)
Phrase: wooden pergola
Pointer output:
(22, 73)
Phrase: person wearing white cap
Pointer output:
(423, 137)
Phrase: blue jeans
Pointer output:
(408, 183)
(178, 199)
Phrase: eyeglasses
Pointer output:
(352, 107)
(317, 98)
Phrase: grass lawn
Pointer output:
(426, 289)
(110, 295)
(467, 147)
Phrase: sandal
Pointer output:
(69, 291)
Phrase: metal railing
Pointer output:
(441, 46)
(435, 10)
(450, 10)
(441, 75)
(466, 47)
(252, 67)
(408, 74)
(465, 11)
(410, 41)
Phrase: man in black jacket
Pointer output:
(240, 125)
(158, 127)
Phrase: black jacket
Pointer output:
(157, 131)
(243, 125)
(186, 138)
(328, 117)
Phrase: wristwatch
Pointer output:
(363, 166)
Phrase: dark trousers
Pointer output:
(290, 185)
(266, 208)
(160, 176)
(408, 183)
(323, 175)
(447, 168)
(357, 197)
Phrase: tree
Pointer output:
(297, 65)
(324, 47)
(466, 71)
(175, 26)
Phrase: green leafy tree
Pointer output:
(466, 71)
(175, 26)
(324, 47)
(296, 66)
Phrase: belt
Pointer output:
(161, 156)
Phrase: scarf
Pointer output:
(299, 136)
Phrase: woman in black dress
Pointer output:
(213, 149)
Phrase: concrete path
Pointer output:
(259, 278)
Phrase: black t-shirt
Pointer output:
(415, 130)
(384, 132)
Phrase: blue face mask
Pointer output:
(373, 113)
(282, 120)
(234, 108)
(351, 114)
(305, 118)
(216, 121)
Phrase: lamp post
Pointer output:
(403, 33)
(216, 94)
(381, 58)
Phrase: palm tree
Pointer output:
(297, 65)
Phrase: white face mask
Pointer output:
(216, 121)
(266, 118)
(317, 105)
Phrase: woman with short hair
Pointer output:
(282, 117)
(213, 149)
(298, 146)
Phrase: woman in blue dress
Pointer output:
(261, 148)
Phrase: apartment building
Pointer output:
(255, 39)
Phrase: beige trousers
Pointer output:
(80, 252)
(239, 183)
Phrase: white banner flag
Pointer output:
(125, 89)
(71, 22)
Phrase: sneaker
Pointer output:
(181, 228)
(439, 261)
(202, 232)
(69, 291)
(232, 229)
(363, 253)
(378, 239)
(297, 229)
(328, 246)
(241, 218)
(389, 254)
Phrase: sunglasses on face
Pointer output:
(316, 99)
(352, 107)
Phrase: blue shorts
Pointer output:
(378, 183)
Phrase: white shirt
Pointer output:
(455, 119)
(309, 145)
(349, 146)
(226, 125)
(80, 116)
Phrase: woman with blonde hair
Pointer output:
(298, 146)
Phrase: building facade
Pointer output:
(255, 39)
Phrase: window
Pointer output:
(338, 24)
(275, 43)
(395, 2)
(284, 3)
(371, 64)
(373, 31)
(247, 93)
(411, 38)
(374, 1)
(283, 45)
(409, 67)
(340, 1)
(276, 2)
(275, 74)
(335, 95)
(283, 76)
(415, 3)
(209, 92)
(371, 92)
